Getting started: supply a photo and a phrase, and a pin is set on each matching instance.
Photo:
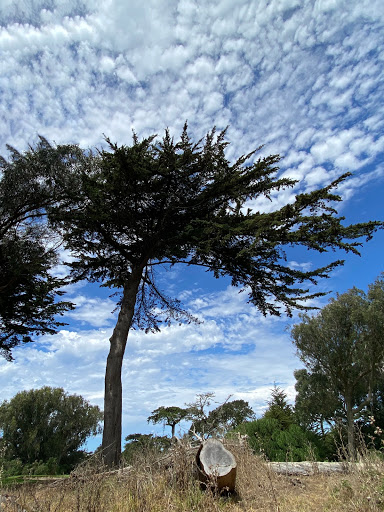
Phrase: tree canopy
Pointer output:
(170, 416)
(129, 209)
(343, 345)
(224, 418)
(46, 423)
(28, 289)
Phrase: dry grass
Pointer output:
(170, 485)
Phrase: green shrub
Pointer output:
(12, 467)
(267, 436)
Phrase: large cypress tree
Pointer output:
(160, 202)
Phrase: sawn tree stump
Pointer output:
(216, 466)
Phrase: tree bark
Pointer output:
(350, 427)
(111, 444)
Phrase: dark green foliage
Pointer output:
(160, 201)
(342, 347)
(316, 407)
(140, 446)
(170, 416)
(279, 408)
(11, 467)
(266, 436)
(46, 425)
(277, 435)
(229, 415)
(28, 291)
(15, 467)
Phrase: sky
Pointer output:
(303, 78)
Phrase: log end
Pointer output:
(216, 466)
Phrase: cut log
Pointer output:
(311, 468)
(216, 466)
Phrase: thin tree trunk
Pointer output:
(322, 428)
(111, 444)
(350, 428)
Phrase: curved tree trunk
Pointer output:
(111, 444)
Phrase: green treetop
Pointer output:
(46, 423)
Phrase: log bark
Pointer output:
(216, 466)
(306, 468)
(111, 444)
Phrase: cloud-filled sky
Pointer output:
(304, 78)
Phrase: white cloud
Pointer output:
(73, 360)
(93, 311)
(305, 266)
(210, 58)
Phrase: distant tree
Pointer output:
(28, 290)
(316, 408)
(139, 446)
(230, 414)
(198, 412)
(223, 419)
(154, 203)
(217, 421)
(46, 423)
(344, 344)
(170, 416)
(279, 408)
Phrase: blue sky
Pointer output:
(304, 78)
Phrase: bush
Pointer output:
(47, 425)
(267, 436)
(12, 467)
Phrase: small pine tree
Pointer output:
(279, 408)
